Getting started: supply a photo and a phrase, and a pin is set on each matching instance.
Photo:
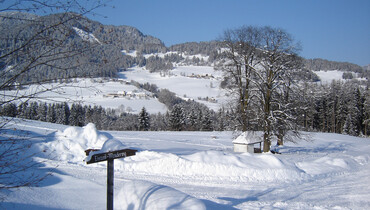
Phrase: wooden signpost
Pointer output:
(109, 157)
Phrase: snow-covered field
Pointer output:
(197, 83)
(328, 76)
(193, 170)
(97, 92)
(189, 82)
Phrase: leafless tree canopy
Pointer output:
(261, 67)
(31, 44)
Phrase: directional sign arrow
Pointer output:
(111, 155)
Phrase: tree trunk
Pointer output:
(280, 140)
(266, 145)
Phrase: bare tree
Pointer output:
(261, 64)
(30, 43)
(278, 62)
(242, 46)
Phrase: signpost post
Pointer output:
(109, 157)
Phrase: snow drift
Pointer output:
(70, 144)
(213, 165)
(146, 195)
(326, 173)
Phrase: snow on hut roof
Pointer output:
(248, 137)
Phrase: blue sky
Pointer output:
(337, 30)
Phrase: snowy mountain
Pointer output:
(76, 46)
(122, 70)
(86, 36)
(107, 50)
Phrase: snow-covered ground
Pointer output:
(190, 82)
(193, 170)
(199, 83)
(97, 92)
(327, 77)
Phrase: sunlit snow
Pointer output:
(86, 36)
(193, 170)
(328, 76)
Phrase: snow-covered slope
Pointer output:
(199, 83)
(89, 37)
(194, 170)
(329, 76)
(114, 94)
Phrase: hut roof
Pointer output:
(248, 137)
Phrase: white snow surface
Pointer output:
(181, 82)
(147, 195)
(191, 170)
(86, 36)
(199, 83)
(329, 75)
(95, 92)
(70, 144)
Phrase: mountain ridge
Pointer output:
(114, 39)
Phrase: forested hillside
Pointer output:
(100, 49)
(85, 48)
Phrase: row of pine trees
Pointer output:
(180, 118)
(339, 107)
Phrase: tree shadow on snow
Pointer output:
(325, 148)
(216, 206)
(10, 205)
(255, 196)
(108, 135)
(18, 150)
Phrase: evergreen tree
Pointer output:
(77, 115)
(62, 113)
(22, 110)
(220, 120)
(9, 110)
(32, 111)
(355, 113)
(192, 119)
(50, 114)
(349, 127)
(42, 112)
(177, 118)
(366, 118)
(88, 114)
(144, 120)
(158, 122)
(206, 121)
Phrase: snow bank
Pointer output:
(212, 165)
(70, 144)
(111, 145)
(326, 165)
(146, 195)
